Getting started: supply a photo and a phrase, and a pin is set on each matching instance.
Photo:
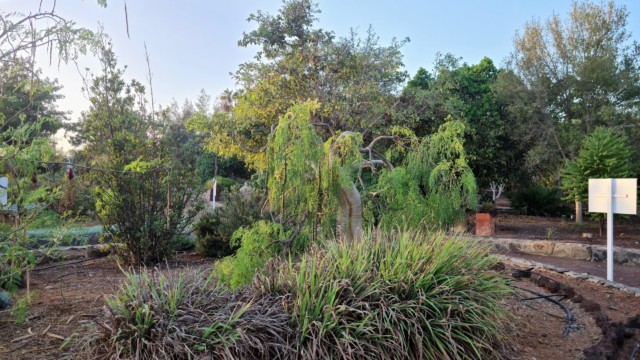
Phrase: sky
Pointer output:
(192, 44)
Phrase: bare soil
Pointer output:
(67, 298)
(626, 232)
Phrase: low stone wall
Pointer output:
(621, 256)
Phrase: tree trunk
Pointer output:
(349, 219)
(578, 212)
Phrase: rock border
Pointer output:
(578, 251)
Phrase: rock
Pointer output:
(633, 322)
(590, 306)
(5, 300)
(572, 251)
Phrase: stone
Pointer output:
(538, 247)
(590, 306)
(5, 300)
(572, 251)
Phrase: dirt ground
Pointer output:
(67, 298)
(626, 232)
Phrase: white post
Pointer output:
(610, 230)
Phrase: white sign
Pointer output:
(612, 196)
(4, 185)
(623, 201)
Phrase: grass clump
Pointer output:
(409, 294)
(178, 315)
(405, 295)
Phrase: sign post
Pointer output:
(612, 196)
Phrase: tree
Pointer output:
(26, 97)
(568, 77)
(604, 154)
(354, 80)
(146, 193)
(466, 93)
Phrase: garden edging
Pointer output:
(621, 256)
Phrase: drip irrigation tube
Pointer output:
(570, 318)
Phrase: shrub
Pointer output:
(256, 245)
(177, 315)
(539, 201)
(396, 294)
(214, 230)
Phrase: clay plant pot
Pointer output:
(485, 224)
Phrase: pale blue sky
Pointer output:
(193, 43)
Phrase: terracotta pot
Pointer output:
(485, 224)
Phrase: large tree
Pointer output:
(465, 92)
(355, 81)
(568, 76)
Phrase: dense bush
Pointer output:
(256, 245)
(398, 294)
(538, 200)
(174, 316)
(215, 229)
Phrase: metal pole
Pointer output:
(610, 231)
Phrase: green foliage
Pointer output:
(228, 167)
(178, 314)
(464, 92)
(568, 75)
(146, 194)
(46, 219)
(538, 200)
(394, 293)
(257, 244)
(436, 186)
(604, 154)
(20, 308)
(27, 97)
(294, 154)
(354, 79)
(214, 230)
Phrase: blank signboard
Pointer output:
(623, 191)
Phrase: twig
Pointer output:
(67, 274)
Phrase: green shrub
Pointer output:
(400, 294)
(183, 242)
(539, 201)
(256, 245)
(214, 230)
(176, 315)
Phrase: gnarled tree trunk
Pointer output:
(349, 220)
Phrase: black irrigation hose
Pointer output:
(570, 318)
(561, 296)
(633, 354)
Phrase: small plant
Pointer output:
(488, 207)
(20, 308)
(551, 233)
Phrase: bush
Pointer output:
(256, 245)
(173, 316)
(396, 294)
(215, 229)
(539, 201)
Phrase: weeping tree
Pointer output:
(433, 187)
